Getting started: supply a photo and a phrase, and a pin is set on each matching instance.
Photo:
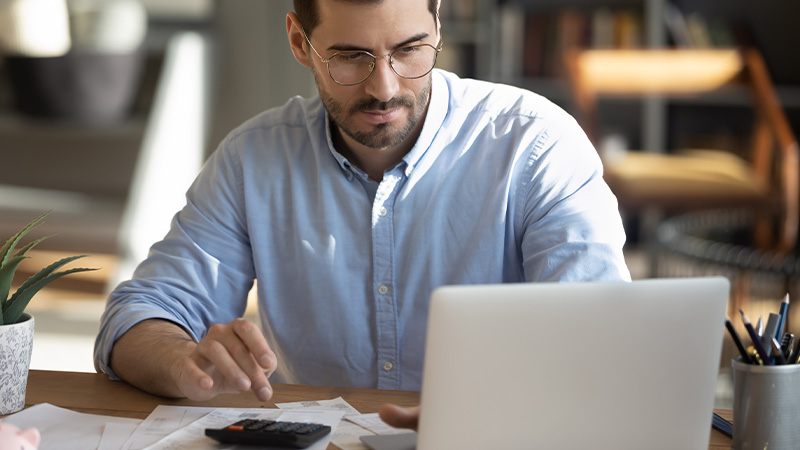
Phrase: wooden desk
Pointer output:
(96, 394)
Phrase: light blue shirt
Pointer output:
(502, 186)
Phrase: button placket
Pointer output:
(383, 273)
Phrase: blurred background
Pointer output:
(109, 108)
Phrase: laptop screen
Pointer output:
(573, 365)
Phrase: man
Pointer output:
(350, 209)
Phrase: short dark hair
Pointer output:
(308, 13)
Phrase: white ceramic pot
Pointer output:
(16, 344)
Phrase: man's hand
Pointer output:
(399, 416)
(158, 356)
(231, 358)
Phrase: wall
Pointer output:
(256, 69)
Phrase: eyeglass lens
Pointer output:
(407, 62)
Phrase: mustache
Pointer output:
(373, 104)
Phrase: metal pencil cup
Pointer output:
(766, 406)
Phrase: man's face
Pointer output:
(383, 110)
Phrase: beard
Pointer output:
(382, 135)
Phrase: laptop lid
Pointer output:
(573, 365)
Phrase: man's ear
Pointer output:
(296, 39)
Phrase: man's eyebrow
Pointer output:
(349, 48)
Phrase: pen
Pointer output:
(782, 313)
(776, 351)
(787, 342)
(756, 341)
(760, 326)
(722, 425)
(794, 358)
(736, 340)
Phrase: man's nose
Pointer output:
(383, 83)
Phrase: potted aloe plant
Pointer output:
(16, 326)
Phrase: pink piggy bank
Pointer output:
(12, 438)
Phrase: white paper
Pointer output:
(115, 435)
(348, 436)
(336, 404)
(192, 437)
(59, 425)
(373, 423)
(163, 421)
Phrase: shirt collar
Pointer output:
(437, 110)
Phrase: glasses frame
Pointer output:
(375, 59)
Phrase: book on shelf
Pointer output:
(693, 30)
(698, 31)
(602, 28)
(627, 29)
(511, 54)
(677, 26)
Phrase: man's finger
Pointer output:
(220, 357)
(399, 416)
(192, 381)
(254, 340)
(257, 359)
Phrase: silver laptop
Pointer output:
(573, 365)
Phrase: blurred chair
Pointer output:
(693, 179)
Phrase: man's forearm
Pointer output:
(145, 355)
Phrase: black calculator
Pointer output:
(270, 433)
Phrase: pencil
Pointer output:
(738, 341)
(755, 338)
(784, 311)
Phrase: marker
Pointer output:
(756, 341)
(784, 311)
(736, 340)
(769, 332)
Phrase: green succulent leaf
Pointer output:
(8, 247)
(11, 308)
(44, 273)
(15, 306)
(7, 276)
(24, 250)
(8, 269)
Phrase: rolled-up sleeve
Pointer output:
(199, 274)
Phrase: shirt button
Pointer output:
(383, 289)
(387, 366)
(382, 212)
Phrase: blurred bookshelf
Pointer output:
(521, 42)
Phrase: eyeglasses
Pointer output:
(349, 68)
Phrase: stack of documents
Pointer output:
(178, 428)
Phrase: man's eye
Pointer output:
(353, 57)
(407, 50)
